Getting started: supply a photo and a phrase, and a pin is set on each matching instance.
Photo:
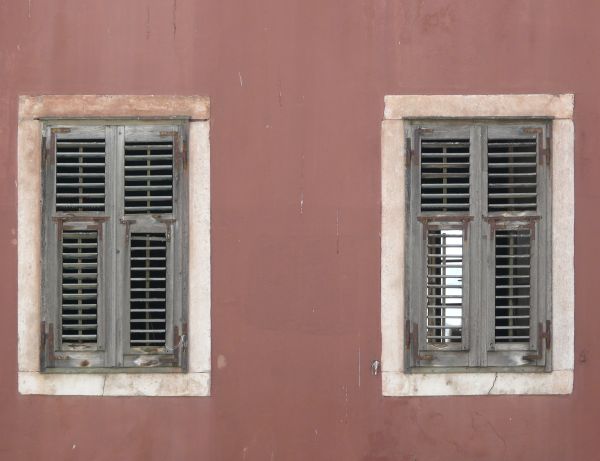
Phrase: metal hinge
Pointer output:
(543, 143)
(544, 338)
(412, 143)
(411, 339)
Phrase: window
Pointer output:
(115, 233)
(114, 238)
(477, 245)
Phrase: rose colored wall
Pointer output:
(297, 91)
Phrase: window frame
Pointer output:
(33, 111)
(396, 381)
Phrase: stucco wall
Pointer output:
(297, 94)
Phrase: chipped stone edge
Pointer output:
(30, 380)
(395, 382)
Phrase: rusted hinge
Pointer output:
(412, 144)
(178, 147)
(543, 143)
(464, 219)
(168, 222)
(411, 338)
(544, 338)
(499, 222)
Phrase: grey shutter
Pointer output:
(518, 225)
(154, 232)
(74, 247)
(439, 253)
(478, 246)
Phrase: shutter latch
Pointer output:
(544, 338)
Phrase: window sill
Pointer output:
(401, 384)
(116, 384)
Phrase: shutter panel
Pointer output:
(438, 300)
(74, 205)
(512, 175)
(444, 286)
(149, 173)
(79, 318)
(80, 174)
(445, 168)
(154, 218)
(512, 286)
(148, 290)
(518, 223)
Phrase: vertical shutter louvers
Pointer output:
(148, 289)
(512, 175)
(445, 168)
(444, 286)
(79, 286)
(149, 177)
(80, 175)
(512, 285)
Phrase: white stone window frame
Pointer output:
(194, 382)
(396, 381)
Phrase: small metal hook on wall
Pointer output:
(375, 367)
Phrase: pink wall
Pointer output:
(297, 91)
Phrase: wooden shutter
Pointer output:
(440, 178)
(115, 245)
(74, 247)
(518, 225)
(154, 222)
(478, 246)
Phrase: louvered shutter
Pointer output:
(440, 178)
(478, 248)
(518, 226)
(115, 246)
(154, 219)
(74, 203)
